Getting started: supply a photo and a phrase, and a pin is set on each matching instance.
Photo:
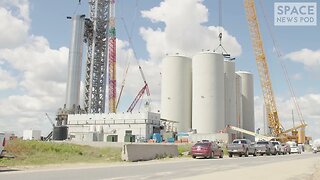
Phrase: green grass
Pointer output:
(41, 153)
(184, 148)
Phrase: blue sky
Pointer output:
(48, 20)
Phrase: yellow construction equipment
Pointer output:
(274, 124)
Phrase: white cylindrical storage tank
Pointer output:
(75, 62)
(239, 103)
(208, 92)
(176, 91)
(247, 102)
(230, 93)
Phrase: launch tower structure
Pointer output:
(100, 39)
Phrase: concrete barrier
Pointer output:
(144, 152)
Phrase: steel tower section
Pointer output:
(96, 37)
(112, 59)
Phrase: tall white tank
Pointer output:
(208, 92)
(239, 103)
(230, 93)
(247, 102)
(176, 91)
(75, 62)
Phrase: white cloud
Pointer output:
(7, 81)
(155, 43)
(39, 94)
(19, 8)
(14, 31)
(42, 72)
(36, 71)
(15, 22)
(297, 76)
(184, 31)
(43, 68)
(309, 58)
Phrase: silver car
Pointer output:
(295, 149)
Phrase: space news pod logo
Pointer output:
(295, 14)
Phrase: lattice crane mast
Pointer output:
(269, 99)
(112, 59)
(101, 42)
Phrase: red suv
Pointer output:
(206, 150)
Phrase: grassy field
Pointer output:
(40, 153)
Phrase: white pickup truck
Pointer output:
(2, 142)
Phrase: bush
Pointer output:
(184, 148)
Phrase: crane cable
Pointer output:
(284, 69)
(128, 63)
(223, 50)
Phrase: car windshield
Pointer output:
(202, 144)
(239, 142)
(275, 143)
(262, 142)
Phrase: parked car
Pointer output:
(265, 147)
(286, 148)
(241, 147)
(294, 148)
(301, 146)
(2, 142)
(279, 148)
(314, 149)
(206, 149)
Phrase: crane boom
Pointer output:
(138, 97)
(268, 138)
(269, 99)
(48, 117)
(294, 128)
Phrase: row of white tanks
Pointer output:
(206, 94)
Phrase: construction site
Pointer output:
(202, 97)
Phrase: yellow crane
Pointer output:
(274, 124)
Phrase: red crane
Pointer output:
(112, 59)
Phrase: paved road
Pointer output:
(297, 166)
